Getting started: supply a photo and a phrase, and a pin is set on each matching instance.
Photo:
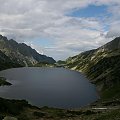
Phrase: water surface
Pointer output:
(53, 87)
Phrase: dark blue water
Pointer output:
(53, 87)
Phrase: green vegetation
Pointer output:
(102, 67)
(21, 110)
(60, 62)
(44, 64)
(106, 73)
(12, 107)
(111, 115)
(111, 93)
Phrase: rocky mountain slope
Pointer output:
(102, 67)
(21, 54)
(6, 62)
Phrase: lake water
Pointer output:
(53, 87)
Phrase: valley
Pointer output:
(101, 66)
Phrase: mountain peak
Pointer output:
(3, 37)
(112, 45)
(22, 53)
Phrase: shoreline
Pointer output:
(27, 111)
(98, 92)
(57, 68)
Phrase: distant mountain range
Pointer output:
(102, 67)
(19, 54)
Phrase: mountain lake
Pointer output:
(52, 87)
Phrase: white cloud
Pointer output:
(25, 20)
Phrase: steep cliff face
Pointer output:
(21, 53)
(102, 67)
(6, 62)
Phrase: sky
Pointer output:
(60, 28)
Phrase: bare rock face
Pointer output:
(21, 53)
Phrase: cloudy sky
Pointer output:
(60, 28)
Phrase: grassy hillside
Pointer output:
(21, 110)
(102, 67)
